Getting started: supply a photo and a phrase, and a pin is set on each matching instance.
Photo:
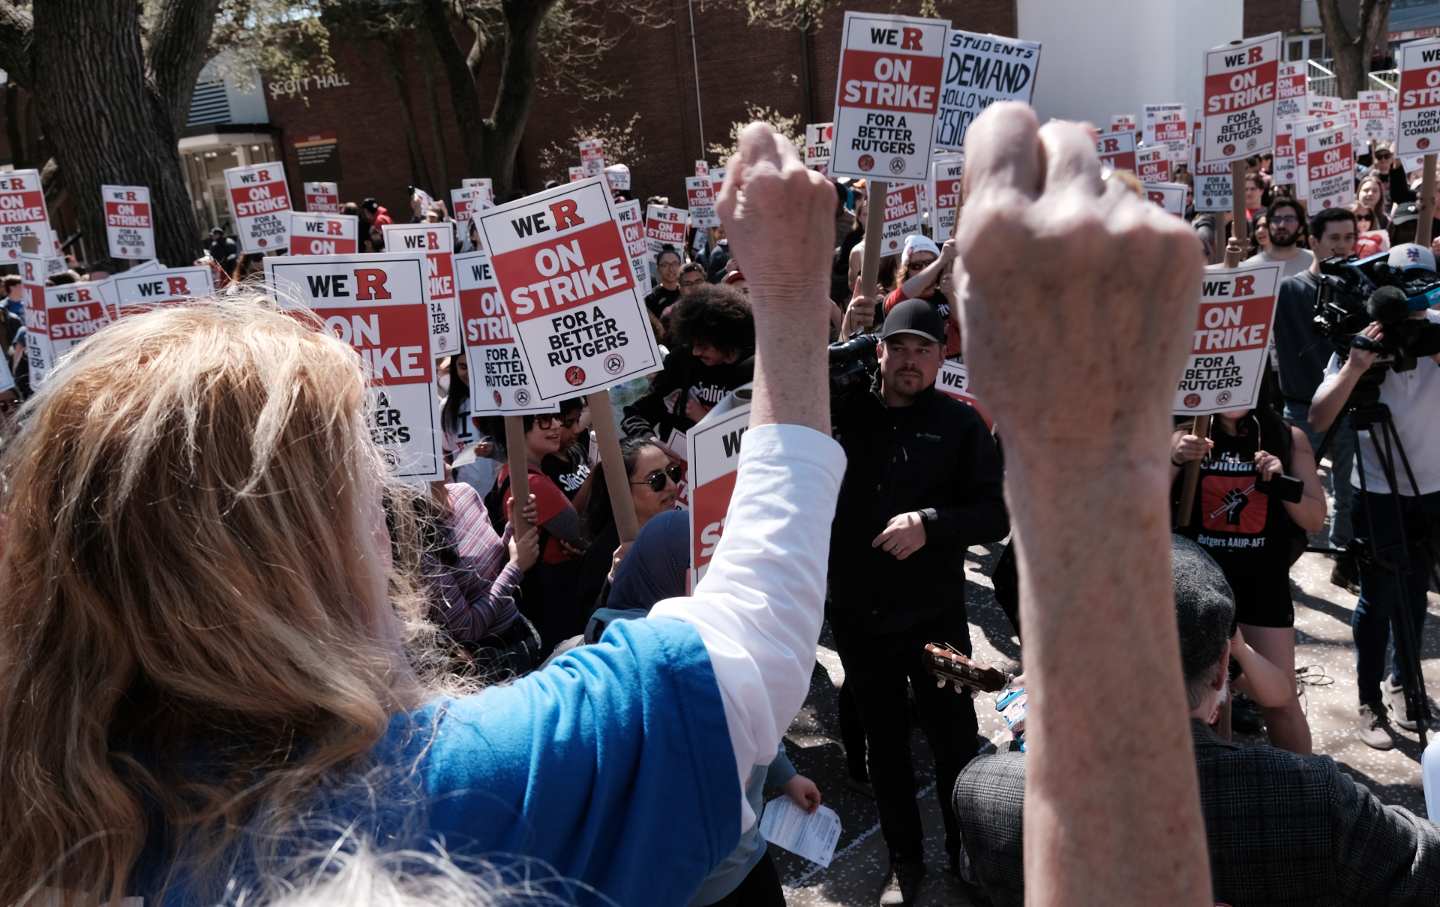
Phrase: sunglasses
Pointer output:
(916, 265)
(1383, 155)
(658, 479)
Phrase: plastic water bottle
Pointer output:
(1430, 776)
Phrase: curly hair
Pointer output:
(717, 315)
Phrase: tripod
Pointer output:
(1375, 417)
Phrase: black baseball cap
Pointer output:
(914, 316)
(1406, 213)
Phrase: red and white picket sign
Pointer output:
(1152, 165)
(322, 198)
(888, 96)
(1419, 98)
(953, 380)
(1240, 92)
(1228, 349)
(632, 231)
(1170, 196)
(463, 203)
(1375, 112)
(568, 287)
(129, 222)
(592, 156)
(260, 202)
(22, 212)
(38, 355)
(1123, 122)
(107, 287)
(73, 311)
(377, 303)
(665, 226)
(1290, 92)
(947, 172)
(485, 185)
(1330, 168)
(700, 196)
(1167, 125)
(324, 234)
(136, 293)
(713, 456)
(437, 243)
(499, 383)
(902, 217)
(577, 174)
(1324, 106)
(1117, 149)
(1284, 171)
(819, 146)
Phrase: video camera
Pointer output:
(1356, 291)
(852, 365)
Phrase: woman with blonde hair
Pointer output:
(209, 651)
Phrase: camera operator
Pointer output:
(1302, 355)
(923, 483)
(1413, 398)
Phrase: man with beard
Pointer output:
(1303, 356)
(922, 484)
(1284, 219)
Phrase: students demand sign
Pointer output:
(980, 70)
(378, 304)
(499, 383)
(1227, 354)
(260, 202)
(322, 198)
(437, 243)
(888, 96)
(22, 212)
(1239, 109)
(569, 290)
(1419, 97)
(323, 234)
(129, 224)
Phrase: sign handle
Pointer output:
(519, 472)
(617, 480)
(1424, 231)
(874, 229)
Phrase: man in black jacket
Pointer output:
(922, 484)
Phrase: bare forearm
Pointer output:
(790, 364)
(1100, 641)
(1330, 399)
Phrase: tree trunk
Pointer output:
(519, 69)
(1350, 50)
(1351, 67)
(419, 170)
(106, 121)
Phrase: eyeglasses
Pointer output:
(1383, 155)
(658, 479)
(917, 265)
(1285, 219)
(546, 421)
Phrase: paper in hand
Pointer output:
(811, 835)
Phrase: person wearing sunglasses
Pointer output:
(925, 273)
(570, 467)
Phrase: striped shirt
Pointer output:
(476, 596)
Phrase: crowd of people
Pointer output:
(232, 643)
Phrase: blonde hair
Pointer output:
(196, 603)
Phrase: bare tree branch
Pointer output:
(1373, 16)
(16, 26)
(464, 98)
(178, 45)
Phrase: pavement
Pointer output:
(1323, 647)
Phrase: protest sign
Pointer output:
(499, 384)
(618, 176)
(1239, 109)
(1117, 149)
(665, 226)
(1152, 165)
(980, 70)
(322, 198)
(38, 354)
(1228, 349)
(378, 303)
(323, 234)
(1166, 124)
(1319, 105)
(107, 287)
(887, 96)
(632, 231)
(22, 212)
(592, 156)
(129, 222)
(953, 380)
(140, 292)
(1330, 166)
(1213, 191)
(571, 295)
(260, 202)
(713, 455)
(902, 217)
(819, 144)
(1284, 167)
(1419, 116)
(700, 196)
(464, 202)
(1375, 111)
(73, 311)
(1170, 196)
(946, 176)
(437, 243)
(1122, 122)
(485, 185)
(1290, 91)
(577, 174)
(702, 168)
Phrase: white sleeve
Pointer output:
(759, 607)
